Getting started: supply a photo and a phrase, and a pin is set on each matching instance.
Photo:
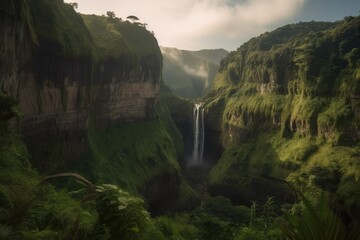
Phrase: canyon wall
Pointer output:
(286, 104)
(279, 80)
(62, 82)
(88, 92)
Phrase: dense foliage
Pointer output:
(114, 38)
(287, 105)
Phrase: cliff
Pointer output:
(287, 106)
(53, 66)
(88, 91)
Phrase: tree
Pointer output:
(75, 5)
(133, 18)
(110, 14)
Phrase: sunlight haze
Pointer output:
(189, 24)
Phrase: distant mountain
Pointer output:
(210, 55)
(190, 74)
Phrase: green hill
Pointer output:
(114, 38)
(287, 104)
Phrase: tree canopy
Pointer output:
(110, 14)
(133, 18)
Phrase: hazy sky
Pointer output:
(199, 24)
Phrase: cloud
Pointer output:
(211, 18)
(195, 24)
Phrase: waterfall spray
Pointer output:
(199, 134)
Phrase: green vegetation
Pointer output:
(53, 22)
(286, 103)
(115, 39)
(56, 25)
(123, 214)
(132, 153)
(31, 210)
(27, 211)
(177, 227)
(313, 224)
(181, 109)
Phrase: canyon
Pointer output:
(86, 94)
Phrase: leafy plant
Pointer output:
(316, 224)
(178, 227)
(122, 213)
(213, 228)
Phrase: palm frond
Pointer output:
(316, 223)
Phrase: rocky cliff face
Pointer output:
(286, 104)
(283, 80)
(60, 91)
(88, 91)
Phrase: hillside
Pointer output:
(287, 106)
(190, 74)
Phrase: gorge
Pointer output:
(83, 96)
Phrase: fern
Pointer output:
(316, 224)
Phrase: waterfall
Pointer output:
(199, 134)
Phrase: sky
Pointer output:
(209, 24)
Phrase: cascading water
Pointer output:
(199, 134)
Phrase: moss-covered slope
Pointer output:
(114, 38)
(142, 157)
(288, 102)
(51, 22)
